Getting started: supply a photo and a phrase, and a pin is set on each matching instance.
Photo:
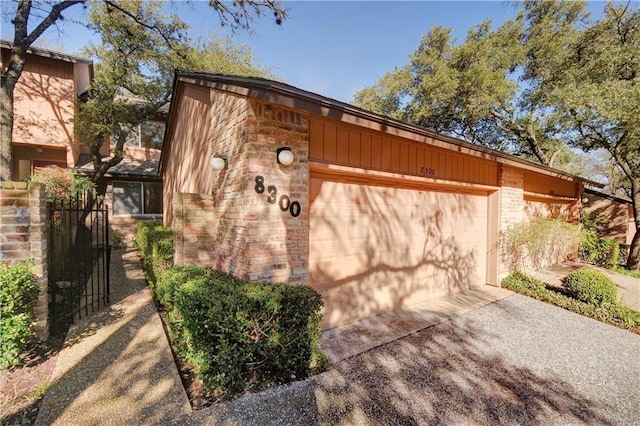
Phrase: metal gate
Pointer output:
(79, 256)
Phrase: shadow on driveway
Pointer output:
(516, 361)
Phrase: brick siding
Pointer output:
(235, 229)
(23, 237)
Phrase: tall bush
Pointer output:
(18, 296)
(239, 336)
(244, 336)
(539, 242)
(599, 251)
(156, 247)
(595, 249)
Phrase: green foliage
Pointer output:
(591, 287)
(239, 336)
(489, 89)
(538, 242)
(18, 296)
(610, 313)
(140, 49)
(156, 246)
(599, 251)
(592, 222)
(60, 184)
(249, 335)
(596, 250)
(624, 271)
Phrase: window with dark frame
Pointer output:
(149, 134)
(137, 198)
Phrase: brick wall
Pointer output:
(280, 250)
(535, 209)
(619, 218)
(235, 228)
(511, 209)
(23, 236)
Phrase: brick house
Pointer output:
(620, 224)
(374, 213)
(43, 134)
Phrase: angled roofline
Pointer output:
(293, 97)
(50, 54)
(608, 196)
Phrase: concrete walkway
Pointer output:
(484, 356)
(116, 367)
(349, 340)
(628, 287)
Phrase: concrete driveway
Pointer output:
(515, 361)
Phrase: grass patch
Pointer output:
(609, 313)
(624, 271)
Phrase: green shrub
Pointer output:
(18, 296)
(538, 242)
(239, 336)
(610, 313)
(242, 336)
(599, 251)
(156, 247)
(591, 287)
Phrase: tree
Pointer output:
(49, 13)
(599, 96)
(134, 71)
(490, 89)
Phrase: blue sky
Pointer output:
(333, 48)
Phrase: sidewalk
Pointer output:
(628, 287)
(116, 367)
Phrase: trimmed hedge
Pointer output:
(600, 251)
(614, 314)
(591, 287)
(156, 247)
(238, 336)
(18, 296)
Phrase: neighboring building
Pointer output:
(618, 211)
(44, 107)
(43, 134)
(374, 213)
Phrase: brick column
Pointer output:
(278, 250)
(23, 237)
(511, 207)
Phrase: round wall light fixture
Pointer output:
(284, 156)
(218, 162)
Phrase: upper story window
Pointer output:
(147, 135)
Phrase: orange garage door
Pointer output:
(378, 248)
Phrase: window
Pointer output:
(149, 134)
(137, 198)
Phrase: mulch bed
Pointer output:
(22, 388)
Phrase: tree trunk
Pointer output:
(633, 261)
(6, 132)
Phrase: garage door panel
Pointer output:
(373, 249)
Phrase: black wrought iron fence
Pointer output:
(79, 257)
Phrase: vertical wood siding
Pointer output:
(339, 143)
(549, 185)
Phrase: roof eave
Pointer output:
(259, 88)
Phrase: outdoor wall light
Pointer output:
(284, 156)
(219, 162)
(585, 199)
